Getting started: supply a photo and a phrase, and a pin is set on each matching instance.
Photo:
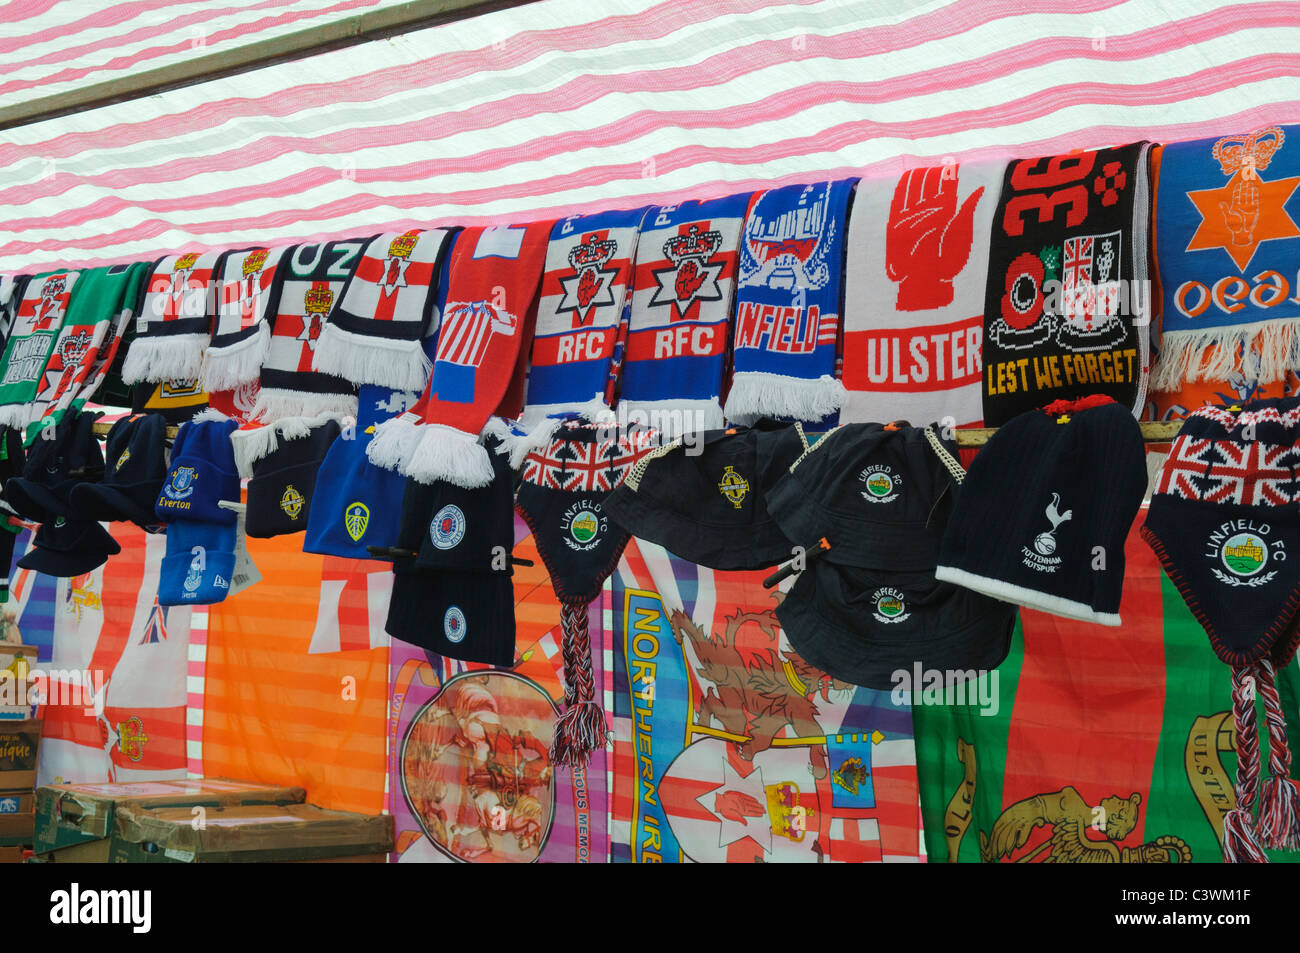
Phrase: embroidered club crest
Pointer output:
(1042, 557)
(880, 484)
(591, 284)
(890, 606)
(355, 520)
(692, 274)
(291, 501)
(1242, 550)
(448, 527)
(121, 461)
(733, 486)
(583, 525)
(453, 624)
(182, 483)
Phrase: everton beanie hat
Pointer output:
(198, 564)
(1046, 507)
(202, 474)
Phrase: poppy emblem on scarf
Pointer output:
(692, 275)
(182, 483)
(733, 486)
(355, 520)
(453, 625)
(882, 484)
(291, 502)
(448, 527)
(890, 606)
(131, 738)
(591, 284)
(583, 525)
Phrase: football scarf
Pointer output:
(1223, 520)
(788, 305)
(38, 318)
(307, 282)
(174, 321)
(914, 294)
(486, 322)
(241, 332)
(581, 303)
(1227, 241)
(1067, 300)
(11, 292)
(373, 333)
(683, 283)
(564, 484)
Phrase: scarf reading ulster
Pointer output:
(1067, 299)
(1227, 242)
(38, 318)
(307, 282)
(486, 323)
(788, 305)
(914, 294)
(174, 321)
(373, 334)
(241, 332)
(681, 301)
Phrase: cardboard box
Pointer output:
(16, 661)
(12, 855)
(74, 821)
(247, 834)
(17, 802)
(20, 746)
(17, 829)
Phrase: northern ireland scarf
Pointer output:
(11, 292)
(373, 333)
(1227, 242)
(914, 294)
(241, 330)
(174, 321)
(581, 303)
(486, 323)
(308, 282)
(681, 303)
(1067, 302)
(788, 297)
(1225, 524)
(564, 484)
(37, 321)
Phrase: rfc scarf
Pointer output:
(1225, 524)
(373, 334)
(564, 484)
(37, 321)
(241, 330)
(308, 281)
(914, 294)
(681, 302)
(788, 305)
(486, 322)
(1067, 300)
(174, 322)
(1227, 243)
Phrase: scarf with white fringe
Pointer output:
(241, 332)
(174, 321)
(38, 318)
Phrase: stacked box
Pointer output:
(20, 748)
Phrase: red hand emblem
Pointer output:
(689, 279)
(588, 285)
(928, 239)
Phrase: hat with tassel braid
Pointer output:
(1224, 518)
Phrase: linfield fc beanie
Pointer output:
(1046, 508)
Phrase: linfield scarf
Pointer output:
(914, 294)
(373, 333)
(486, 323)
(788, 297)
(684, 280)
(1227, 242)
(174, 322)
(1067, 303)
(307, 283)
(37, 321)
(241, 331)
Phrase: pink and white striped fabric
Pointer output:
(561, 107)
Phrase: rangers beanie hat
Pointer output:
(460, 528)
(133, 476)
(1045, 510)
(202, 474)
(284, 481)
(468, 616)
(706, 502)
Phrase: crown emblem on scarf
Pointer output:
(695, 244)
(319, 298)
(74, 348)
(254, 262)
(186, 261)
(592, 253)
(403, 245)
(1254, 151)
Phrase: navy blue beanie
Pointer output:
(283, 479)
(133, 476)
(202, 474)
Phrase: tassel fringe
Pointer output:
(1279, 806)
(229, 367)
(361, 359)
(251, 445)
(178, 357)
(430, 452)
(17, 416)
(581, 730)
(1241, 843)
(275, 404)
(1212, 355)
(757, 394)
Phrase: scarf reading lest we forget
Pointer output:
(486, 323)
(681, 302)
(1067, 303)
(37, 320)
(174, 321)
(308, 281)
(788, 305)
(914, 294)
(374, 332)
(241, 331)
(1227, 241)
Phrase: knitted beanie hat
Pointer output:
(707, 501)
(1046, 507)
(1223, 520)
(199, 563)
(58, 459)
(66, 548)
(202, 474)
(133, 475)
(283, 477)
